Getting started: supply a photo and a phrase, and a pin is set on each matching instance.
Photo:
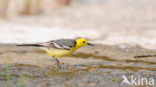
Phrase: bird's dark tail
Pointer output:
(35, 45)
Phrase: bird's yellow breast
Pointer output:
(59, 52)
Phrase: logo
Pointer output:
(137, 80)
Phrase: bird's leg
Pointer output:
(58, 63)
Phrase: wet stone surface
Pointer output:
(99, 66)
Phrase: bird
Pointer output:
(61, 47)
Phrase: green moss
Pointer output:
(92, 55)
(8, 76)
(110, 59)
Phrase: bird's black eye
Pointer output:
(84, 42)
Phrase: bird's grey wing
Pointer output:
(60, 44)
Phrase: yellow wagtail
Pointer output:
(61, 47)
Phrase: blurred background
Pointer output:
(102, 21)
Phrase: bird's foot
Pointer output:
(63, 66)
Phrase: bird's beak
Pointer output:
(90, 44)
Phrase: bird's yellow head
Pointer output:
(82, 42)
